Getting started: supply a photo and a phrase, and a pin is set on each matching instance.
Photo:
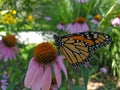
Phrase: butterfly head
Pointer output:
(57, 40)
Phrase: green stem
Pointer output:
(109, 11)
(78, 10)
(89, 8)
(95, 75)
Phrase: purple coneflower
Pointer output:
(116, 21)
(78, 25)
(104, 70)
(47, 18)
(96, 19)
(3, 84)
(5, 76)
(61, 26)
(39, 73)
(81, 1)
(8, 48)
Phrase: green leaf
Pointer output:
(85, 74)
(78, 88)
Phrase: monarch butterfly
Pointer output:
(79, 47)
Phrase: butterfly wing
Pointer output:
(78, 48)
(75, 51)
(99, 39)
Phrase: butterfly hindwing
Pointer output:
(78, 48)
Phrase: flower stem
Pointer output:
(78, 10)
(109, 11)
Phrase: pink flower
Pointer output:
(47, 18)
(116, 21)
(81, 1)
(39, 73)
(8, 48)
(104, 70)
(5, 76)
(77, 26)
(96, 20)
(61, 26)
(3, 84)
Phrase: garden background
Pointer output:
(36, 21)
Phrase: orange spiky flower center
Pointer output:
(79, 20)
(45, 53)
(9, 40)
(97, 17)
(62, 23)
(119, 16)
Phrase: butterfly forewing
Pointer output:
(78, 48)
(75, 51)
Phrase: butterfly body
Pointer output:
(79, 47)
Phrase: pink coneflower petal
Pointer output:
(115, 22)
(60, 27)
(62, 66)
(36, 81)
(16, 49)
(47, 78)
(57, 74)
(29, 75)
(12, 55)
(32, 63)
(39, 81)
(94, 21)
(70, 28)
(8, 52)
(85, 27)
(77, 27)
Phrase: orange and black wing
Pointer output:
(76, 52)
(78, 48)
(97, 39)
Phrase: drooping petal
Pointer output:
(29, 76)
(62, 66)
(70, 28)
(14, 56)
(57, 74)
(32, 63)
(11, 55)
(36, 82)
(7, 55)
(16, 49)
(86, 26)
(47, 78)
